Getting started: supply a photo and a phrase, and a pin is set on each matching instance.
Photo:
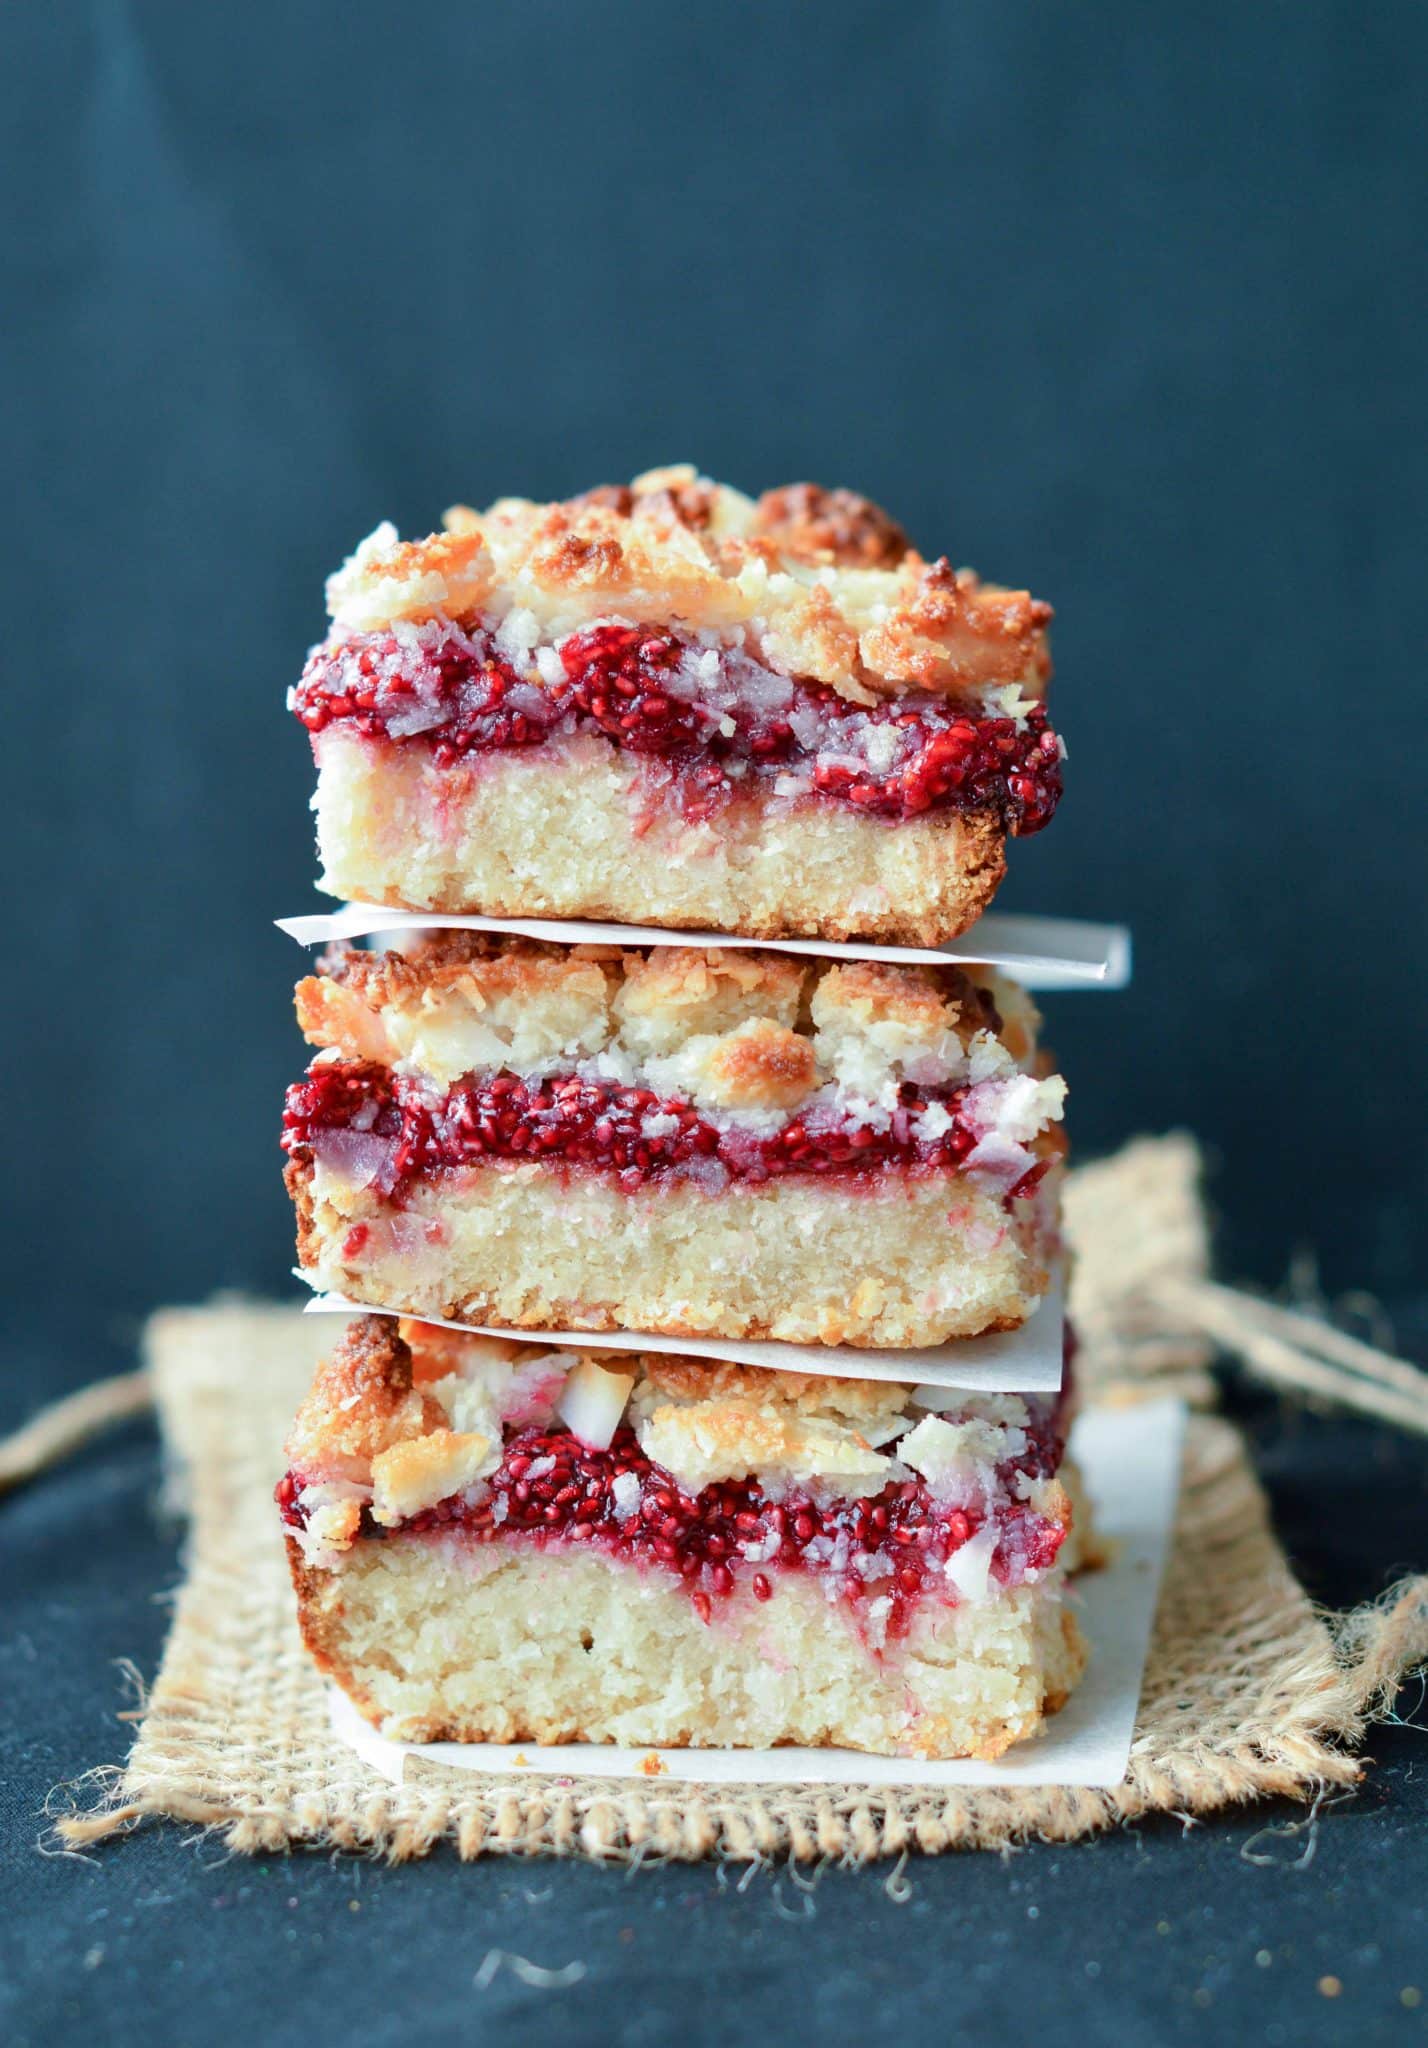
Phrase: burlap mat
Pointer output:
(1249, 1690)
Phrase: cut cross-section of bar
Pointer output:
(494, 1543)
(667, 704)
(695, 1143)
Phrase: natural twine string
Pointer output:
(1142, 1288)
(60, 1429)
(1142, 1298)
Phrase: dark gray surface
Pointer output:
(1125, 302)
(1218, 1933)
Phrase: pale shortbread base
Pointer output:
(437, 1638)
(909, 1261)
(572, 831)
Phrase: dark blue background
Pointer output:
(1126, 303)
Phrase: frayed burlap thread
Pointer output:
(1249, 1692)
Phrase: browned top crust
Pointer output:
(804, 522)
(809, 523)
(702, 986)
(715, 1379)
(819, 583)
(368, 1395)
(361, 1402)
(486, 962)
(739, 1030)
(404, 1418)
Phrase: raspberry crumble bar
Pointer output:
(694, 1142)
(668, 704)
(496, 1543)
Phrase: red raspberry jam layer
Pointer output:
(387, 1131)
(551, 1489)
(714, 716)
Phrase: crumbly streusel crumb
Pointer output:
(823, 582)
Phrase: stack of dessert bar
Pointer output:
(802, 1178)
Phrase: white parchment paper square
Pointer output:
(1040, 952)
(1021, 1361)
(1130, 1458)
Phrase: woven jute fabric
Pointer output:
(1249, 1690)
